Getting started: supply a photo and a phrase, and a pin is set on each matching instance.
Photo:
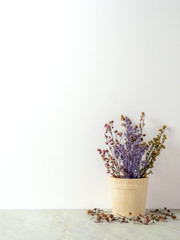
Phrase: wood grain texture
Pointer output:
(129, 196)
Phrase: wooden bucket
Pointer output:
(129, 196)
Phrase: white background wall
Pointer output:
(68, 67)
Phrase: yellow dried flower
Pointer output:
(122, 117)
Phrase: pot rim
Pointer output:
(128, 178)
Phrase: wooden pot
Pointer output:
(129, 196)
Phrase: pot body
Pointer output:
(129, 196)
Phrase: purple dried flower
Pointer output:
(125, 157)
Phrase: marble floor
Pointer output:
(76, 225)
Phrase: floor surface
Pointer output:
(76, 225)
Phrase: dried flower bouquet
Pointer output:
(128, 155)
